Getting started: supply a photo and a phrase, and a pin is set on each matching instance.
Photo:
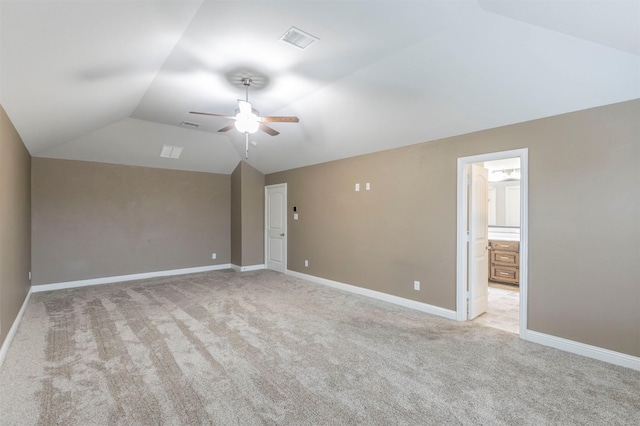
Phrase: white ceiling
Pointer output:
(111, 81)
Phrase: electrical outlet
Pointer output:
(213, 256)
(306, 263)
(416, 285)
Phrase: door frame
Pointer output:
(462, 266)
(285, 224)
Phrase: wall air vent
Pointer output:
(169, 151)
(298, 38)
(190, 124)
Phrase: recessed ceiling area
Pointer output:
(113, 81)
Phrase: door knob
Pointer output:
(282, 235)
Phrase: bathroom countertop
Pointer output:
(504, 236)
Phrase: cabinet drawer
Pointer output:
(505, 245)
(505, 258)
(505, 274)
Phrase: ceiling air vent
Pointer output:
(190, 124)
(298, 38)
(169, 151)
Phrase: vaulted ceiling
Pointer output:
(112, 81)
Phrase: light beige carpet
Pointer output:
(264, 348)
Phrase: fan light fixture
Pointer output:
(247, 123)
(246, 120)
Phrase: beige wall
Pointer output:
(247, 216)
(94, 220)
(252, 216)
(236, 215)
(15, 224)
(584, 221)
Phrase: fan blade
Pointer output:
(244, 107)
(211, 114)
(227, 128)
(280, 119)
(268, 130)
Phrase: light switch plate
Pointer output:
(357, 187)
(295, 216)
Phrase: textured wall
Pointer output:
(252, 216)
(236, 215)
(94, 220)
(584, 221)
(15, 223)
(247, 216)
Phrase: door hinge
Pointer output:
(468, 295)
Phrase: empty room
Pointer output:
(319, 212)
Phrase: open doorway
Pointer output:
(503, 304)
(492, 260)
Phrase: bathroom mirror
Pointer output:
(504, 203)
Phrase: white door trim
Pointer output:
(266, 226)
(461, 250)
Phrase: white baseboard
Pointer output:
(14, 328)
(247, 268)
(583, 349)
(132, 277)
(407, 303)
(577, 348)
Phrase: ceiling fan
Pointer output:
(247, 119)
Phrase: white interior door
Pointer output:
(276, 227)
(478, 241)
